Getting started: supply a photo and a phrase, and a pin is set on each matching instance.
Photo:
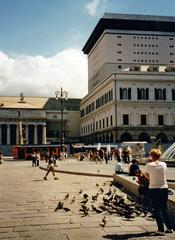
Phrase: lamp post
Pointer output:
(61, 95)
(21, 141)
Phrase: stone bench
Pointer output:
(131, 186)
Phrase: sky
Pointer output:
(41, 42)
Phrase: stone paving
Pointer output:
(27, 204)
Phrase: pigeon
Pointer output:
(73, 200)
(111, 183)
(101, 190)
(110, 198)
(66, 196)
(94, 198)
(59, 206)
(103, 207)
(97, 184)
(109, 193)
(85, 195)
(96, 209)
(104, 221)
(80, 191)
(84, 201)
(66, 209)
(85, 211)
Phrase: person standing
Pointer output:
(34, 163)
(1, 157)
(158, 191)
(38, 158)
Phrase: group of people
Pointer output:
(153, 187)
(104, 154)
(36, 157)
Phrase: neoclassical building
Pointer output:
(131, 80)
(40, 118)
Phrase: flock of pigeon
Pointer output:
(110, 201)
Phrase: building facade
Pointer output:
(40, 119)
(131, 80)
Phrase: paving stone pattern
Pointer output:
(27, 204)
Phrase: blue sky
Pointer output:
(37, 35)
(46, 27)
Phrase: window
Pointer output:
(143, 119)
(103, 123)
(125, 94)
(111, 120)
(99, 124)
(96, 125)
(160, 94)
(173, 94)
(142, 94)
(107, 123)
(160, 120)
(125, 119)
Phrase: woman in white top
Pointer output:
(158, 190)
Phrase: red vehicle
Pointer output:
(26, 151)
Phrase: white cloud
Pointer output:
(93, 6)
(41, 76)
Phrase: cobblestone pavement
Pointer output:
(27, 204)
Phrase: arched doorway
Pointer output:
(162, 136)
(144, 137)
(126, 137)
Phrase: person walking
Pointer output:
(158, 191)
(51, 165)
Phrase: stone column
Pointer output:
(44, 134)
(35, 134)
(114, 136)
(17, 133)
(27, 134)
(8, 134)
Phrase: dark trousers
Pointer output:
(159, 198)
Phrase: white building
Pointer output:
(131, 80)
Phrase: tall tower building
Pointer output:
(131, 80)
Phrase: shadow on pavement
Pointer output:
(39, 180)
(129, 235)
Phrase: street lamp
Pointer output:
(61, 95)
(21, 140)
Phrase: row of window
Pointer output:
(104, 99)
(150, 68)
(143, 94)
(98, 125)
(108, 122)
(146, 60)
(149, 53)
(141, 37)
(145, 45)
(143, 120)
(145, 37)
